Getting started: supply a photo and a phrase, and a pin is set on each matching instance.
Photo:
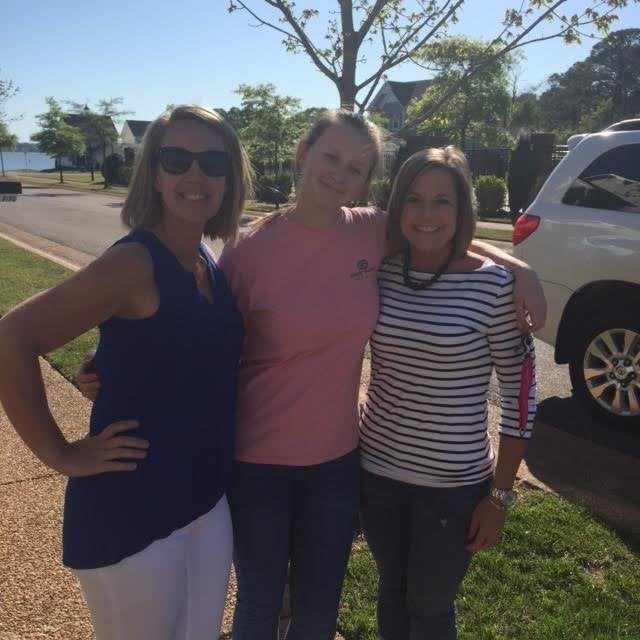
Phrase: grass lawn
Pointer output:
(23, 275)
(503, 235)
(557, 574)
(499, 219)
(74, 180)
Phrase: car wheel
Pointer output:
(605, 369)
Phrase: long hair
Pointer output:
(455, 163)
(329, 118)
(143, 206)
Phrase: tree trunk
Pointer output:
(347, 93)
(60, 170)
(350, 44)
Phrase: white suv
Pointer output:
(582, 235)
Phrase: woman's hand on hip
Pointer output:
(486, 525)
(107, 451)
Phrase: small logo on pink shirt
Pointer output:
(364, 270)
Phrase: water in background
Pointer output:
(27, 160)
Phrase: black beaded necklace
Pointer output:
(421, 285)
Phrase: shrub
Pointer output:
(274, 188)
(111, 168)
(124, 175)
(540, 180)
(379, 191)
(522, 175)
(490, 192)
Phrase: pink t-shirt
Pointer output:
(309, 298)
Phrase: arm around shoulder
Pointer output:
(528, 296)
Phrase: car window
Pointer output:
(612, 181)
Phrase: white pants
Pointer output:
(175, 589)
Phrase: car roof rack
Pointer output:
(625, 125)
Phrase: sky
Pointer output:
(158, 52)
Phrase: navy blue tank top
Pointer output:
(176, 373)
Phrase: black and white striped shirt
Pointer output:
(425, 418)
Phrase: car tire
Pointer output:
(605, 368)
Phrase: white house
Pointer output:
(131, 136)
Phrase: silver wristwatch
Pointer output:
(505, 497)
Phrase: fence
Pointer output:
(559, 152)
(488, 161)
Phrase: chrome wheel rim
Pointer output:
(611, 370)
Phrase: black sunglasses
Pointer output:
(176, 160)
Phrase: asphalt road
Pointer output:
(89, 222)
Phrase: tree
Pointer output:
(307, 117)
(603, 88)
(480, 106)
(616, 63)
(401, 28)
(56, 137)
(8, 89)
(97, 127)
(525, 112)
(235, 116)
(268, 125)
(7, 141)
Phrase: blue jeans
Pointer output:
(305, 515)
(417, 536)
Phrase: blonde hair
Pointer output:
(143, 206)
(329, 118)
(453, 161)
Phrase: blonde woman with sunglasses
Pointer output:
(146, 528)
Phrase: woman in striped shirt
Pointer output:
(432, 491)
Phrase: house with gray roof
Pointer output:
(131, 138)
(133, 132)
(393, 99)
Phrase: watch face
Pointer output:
(509, 498)
(506, 496)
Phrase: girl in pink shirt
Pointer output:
(305, 282)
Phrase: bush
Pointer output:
(522, 175)
(379, 192)
(124, 175)
(274, 188)
(490, 192)
(111, 168)
(540, 180)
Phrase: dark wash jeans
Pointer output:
(306, 515)
(417, 537)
